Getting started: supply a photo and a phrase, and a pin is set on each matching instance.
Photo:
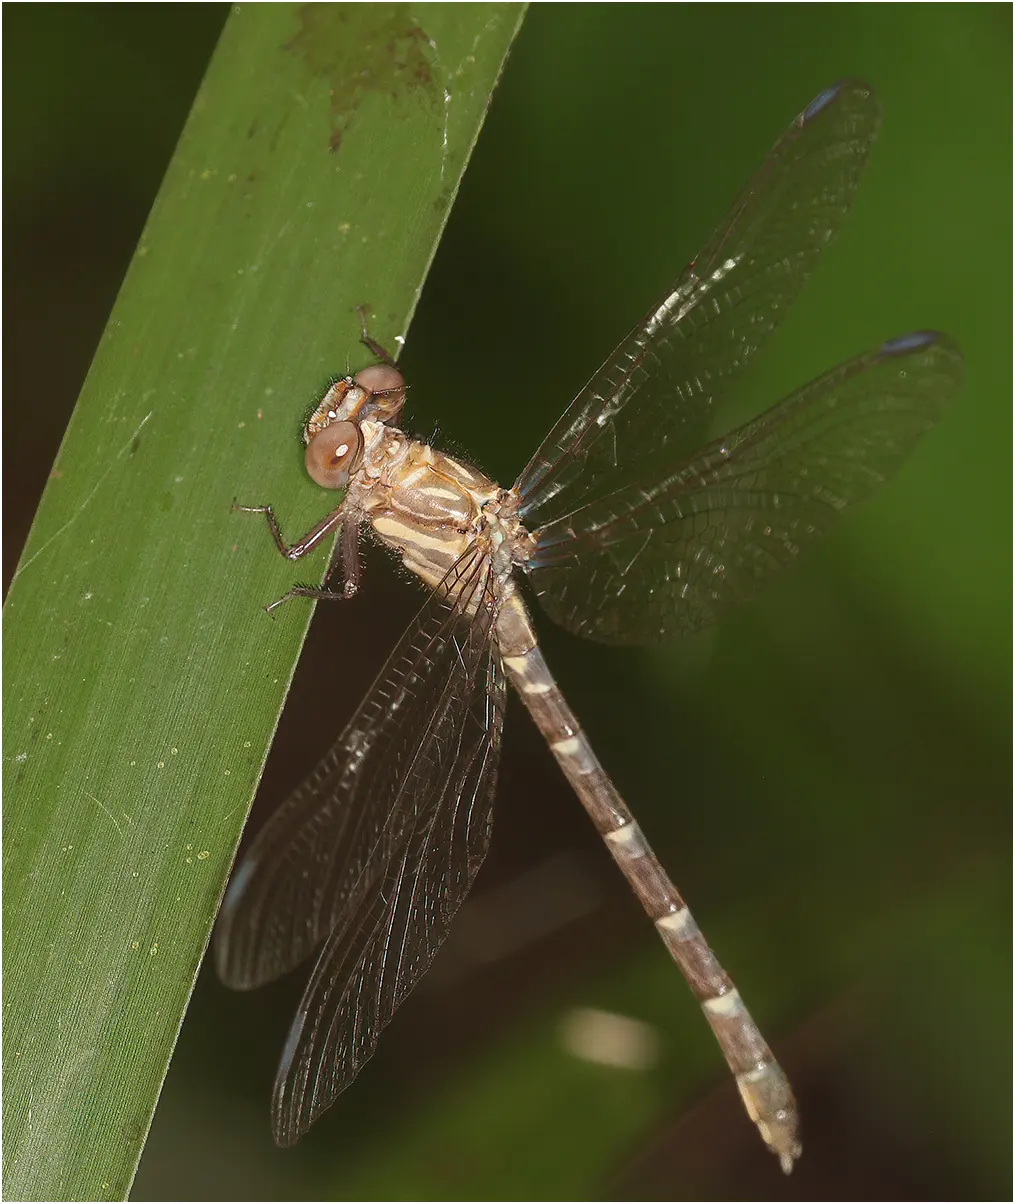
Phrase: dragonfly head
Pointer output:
(332, 432)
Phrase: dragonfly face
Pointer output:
(634, 530)
(376, 393)
(333, 434)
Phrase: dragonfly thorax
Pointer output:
(425, 505)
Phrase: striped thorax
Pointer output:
(427, 506)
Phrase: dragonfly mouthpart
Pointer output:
(376, 393)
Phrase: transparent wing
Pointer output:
(649, 400)
(435, 706)
(667, 558)
(412, 883)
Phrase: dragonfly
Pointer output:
(628, 527)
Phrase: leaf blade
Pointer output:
(143, 685)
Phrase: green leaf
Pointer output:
(143, 683)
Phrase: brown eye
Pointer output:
(332, 454)
(380, 378)
(387, 391)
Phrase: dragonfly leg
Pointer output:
(348, 557)
(371, 344)
(308, 591)
(306, 543)
(347, 554)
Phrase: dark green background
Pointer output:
(827, 776)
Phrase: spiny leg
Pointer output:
(308, 591)
(347, 554)
(305, 543)
(349, 557)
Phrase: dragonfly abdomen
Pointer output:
(763, 1086)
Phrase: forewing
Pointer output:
(306, 869)
(651, 397)
(668, 557)
(413, 880)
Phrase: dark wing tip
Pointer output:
(855, 88)
(287, 1104)
(916, 340)
(940, 352)
(233, 969)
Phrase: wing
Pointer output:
(651, 397)
(414, 879)
(668, 558)
(434, 710)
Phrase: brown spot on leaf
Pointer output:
(364, 48)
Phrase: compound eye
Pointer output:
(380, 378)
(333, 453)
(387, 391)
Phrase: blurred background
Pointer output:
(829, 781)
